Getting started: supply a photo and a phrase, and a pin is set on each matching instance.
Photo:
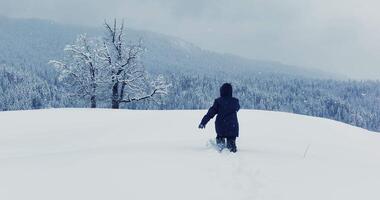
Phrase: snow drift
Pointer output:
(76, 154)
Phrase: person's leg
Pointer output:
(220, 142)
(231, 144)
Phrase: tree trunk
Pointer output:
(93, 101)
(115, 104)
(115, 96)
(93, 85)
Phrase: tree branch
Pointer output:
(140, 98)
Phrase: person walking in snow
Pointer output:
(226, 123)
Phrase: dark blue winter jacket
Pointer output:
(226, 108)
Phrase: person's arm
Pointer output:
(237, 106)
(210, 114)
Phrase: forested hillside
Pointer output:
(27, 81)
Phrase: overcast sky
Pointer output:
(341, 36)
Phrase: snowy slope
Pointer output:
(83, 154)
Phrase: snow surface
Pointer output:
(78, 154)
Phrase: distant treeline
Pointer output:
(352, 102)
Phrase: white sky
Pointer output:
(341, 36)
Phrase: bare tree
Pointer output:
(127, 75)
(111, 63)
(81, 70)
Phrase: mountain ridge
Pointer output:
(45, 40)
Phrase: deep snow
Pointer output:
(78, 154)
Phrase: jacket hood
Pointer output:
(226, 90)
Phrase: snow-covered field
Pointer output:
(80, 154)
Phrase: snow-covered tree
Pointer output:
(128, 78)
(82, 71)
(111, 63)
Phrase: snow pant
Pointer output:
(231, 143)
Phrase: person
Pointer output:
(226, 123)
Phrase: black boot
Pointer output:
(231, 144)
(221, 143)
